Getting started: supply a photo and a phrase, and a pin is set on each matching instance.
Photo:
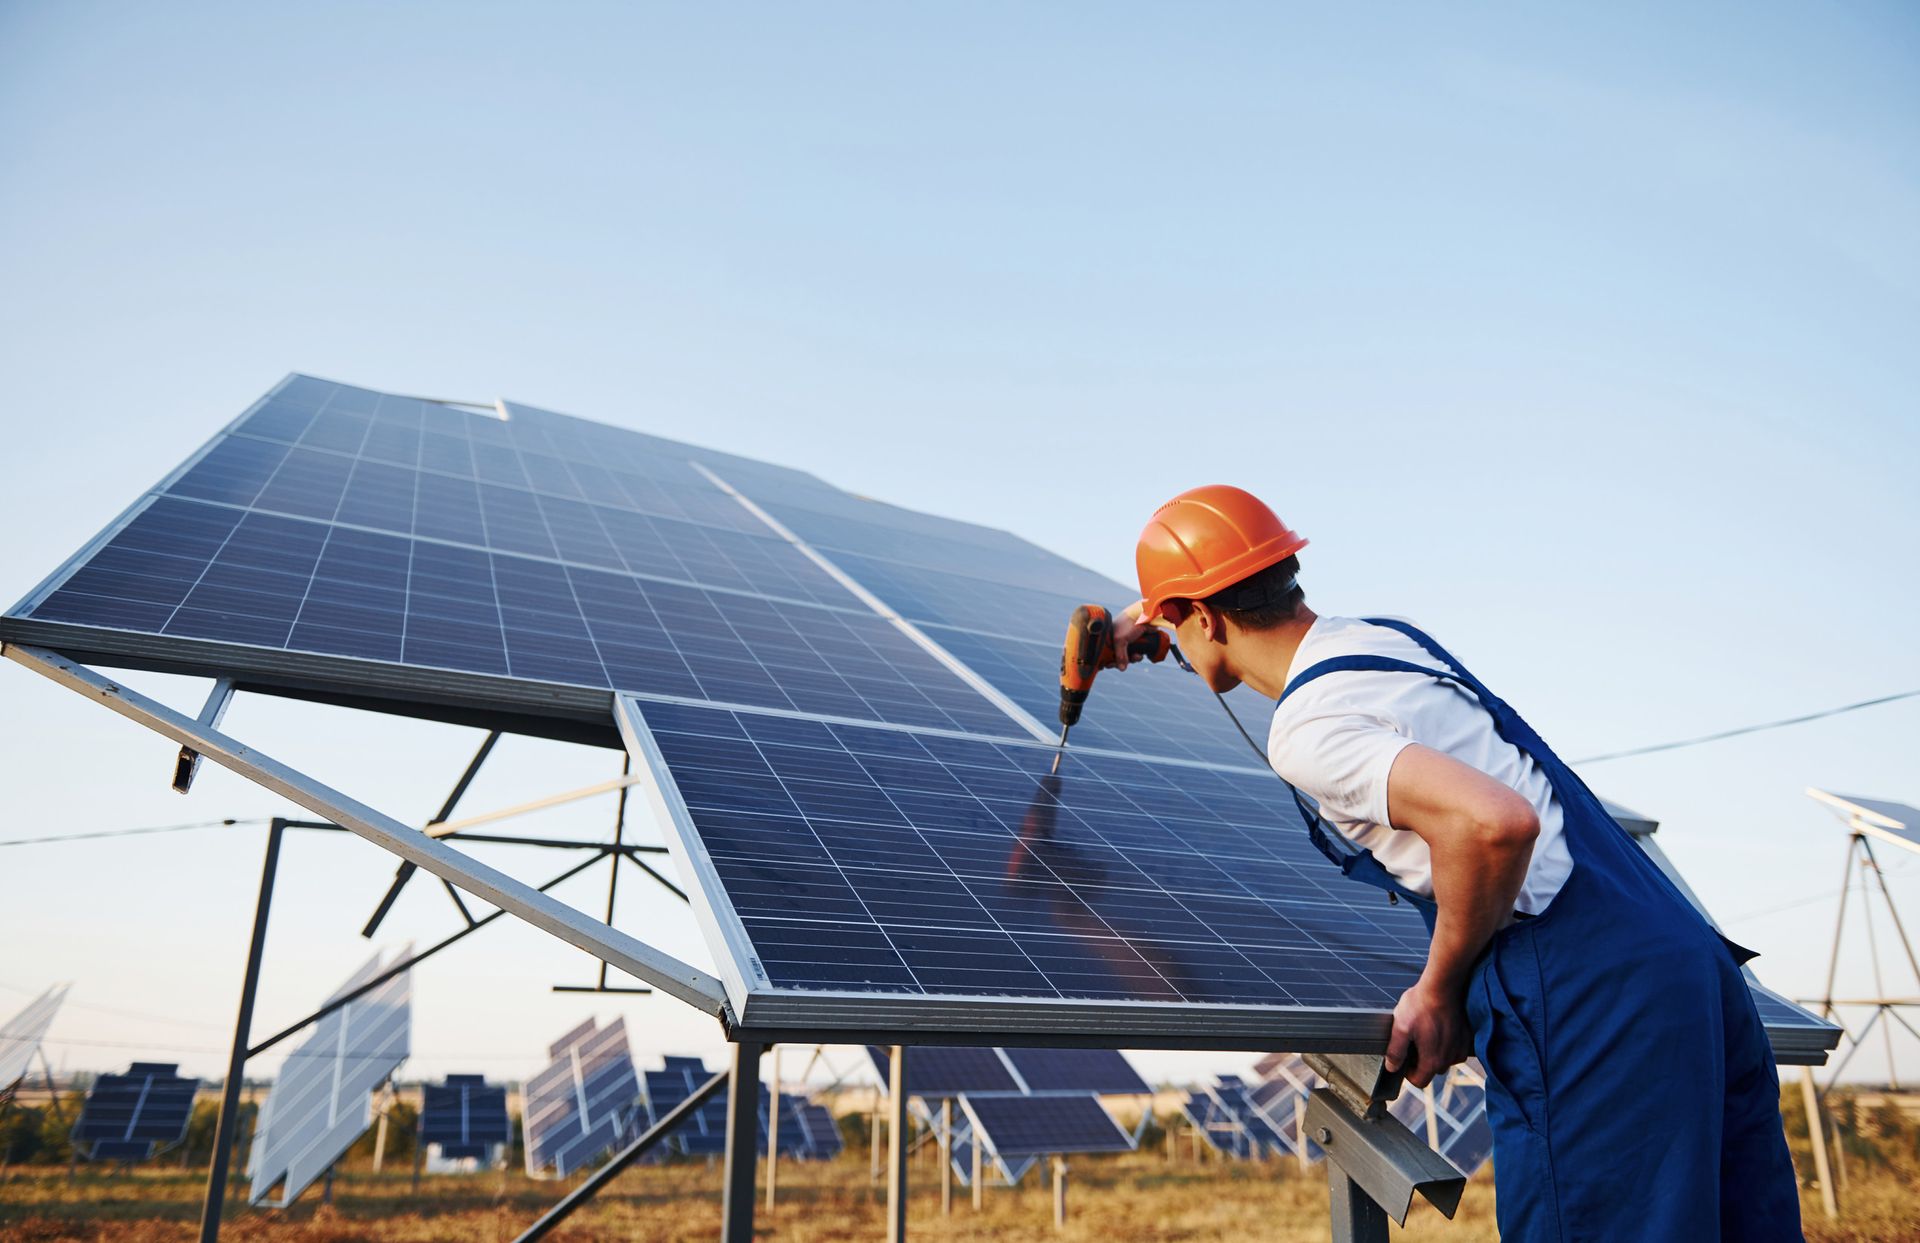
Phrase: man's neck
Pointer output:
(1268, 655)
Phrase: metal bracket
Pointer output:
(1381, 1160)
(1361, 1080)
(187, 766)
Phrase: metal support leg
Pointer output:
(1059, 1193)
(773, 1128)
(897, 1146)
(419, 1149)
(1357, 1218)
(743, 1143)
(979, 1175)
(216, 1199)
(946, 1158)
(873, 1142)
(1817, 1132)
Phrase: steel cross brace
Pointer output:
(666, 973)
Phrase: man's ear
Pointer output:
(1213, 626)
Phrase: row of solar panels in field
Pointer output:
(1267, 1118)
(590, 1100)
(843, 707)
(1017, 1104)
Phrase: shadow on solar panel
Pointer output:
(132, 1116)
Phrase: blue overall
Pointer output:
(1631, 1089)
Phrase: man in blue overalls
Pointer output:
(1631, 1088)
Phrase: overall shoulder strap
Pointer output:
(1375, 664)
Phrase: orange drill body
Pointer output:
(1089, 649)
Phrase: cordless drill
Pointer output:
(1089, 649)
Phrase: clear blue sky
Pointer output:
(1585, 338)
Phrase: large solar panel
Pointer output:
(465, 1116)
(131, 1116)
(581, 1106)
(20, 1038)
(338, 540)
(1031, 1126)
(322, 1098)
(1104, 1071)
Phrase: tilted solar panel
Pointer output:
(581, 1106)
(339, 542)
(1016, 1126)
(1105, 1071)
(465, 1116)
(938, 1071)
(128, 1117)
(322, 1098)
(851, 867)
(704, 1133)
(20, 1038)
(1887, 820)
(822, 1137)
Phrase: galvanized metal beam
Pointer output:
(664, 972)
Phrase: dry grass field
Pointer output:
(1132, 1197)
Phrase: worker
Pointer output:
(1630, 1085)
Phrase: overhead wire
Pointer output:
(141, 832)
(1721, 735)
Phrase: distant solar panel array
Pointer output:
(1019, 1104)
(322, 1099)
(840, 704)
(131, 1116)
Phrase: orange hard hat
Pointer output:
(1206, 540)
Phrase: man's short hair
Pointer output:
(1263, 600)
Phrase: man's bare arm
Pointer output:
(1480, 833)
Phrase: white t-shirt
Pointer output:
(1336, 739)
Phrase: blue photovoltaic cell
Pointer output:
(887, 861)
(128, 1117)
(1105, 1071)
(1236, 1102)
(937, 1071)
(465, 1116)
(581, 1106)
(1016, 1126)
